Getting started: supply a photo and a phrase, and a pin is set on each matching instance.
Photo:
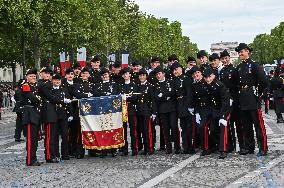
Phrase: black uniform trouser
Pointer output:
(140, 135)
(254, 117)
(132, 122)
(186, 134)
(72, 137)
(79, 145)
(62, 129)
(169, 123)
(279, 116)
(145, 123)
(218, 138)
(51, 134)
(31, 142)
(236, 120)
(19, 127)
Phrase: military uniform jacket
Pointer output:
(83, 88)
(276, 87)
(135, 77)
(107, 88)
(200, 96)
(219, 99)
(30, 100)
(152, 78)
(17, 97)
(204, 66)
(132, 99)
(146, 104)
(166, 103)
(251, 83)
(116, 78)
(183, 89)
(95, 76)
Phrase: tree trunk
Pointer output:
(14, 73)
(36, 49)
(23, 55)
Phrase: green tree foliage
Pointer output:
(269, 47)
(31, 27)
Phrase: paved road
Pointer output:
(158, 170)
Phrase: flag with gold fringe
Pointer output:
(101, 122)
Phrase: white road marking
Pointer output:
(170, 172)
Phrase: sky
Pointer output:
(210, 21)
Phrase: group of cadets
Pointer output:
(209, 103)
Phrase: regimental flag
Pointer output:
(101, 122)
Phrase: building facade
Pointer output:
(6, 74)
(229, 46)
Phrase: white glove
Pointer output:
(168, 98)
(223, 122)
(67, 101)
(90, 94)
(13, 99)
(153, 117)
(160, 95)
(231, 102)
(197, 118)
(70, 118)
(190, 110)
(124, 97)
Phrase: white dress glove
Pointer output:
(160, 95)
(67, 101)
(197, 118)
(153, 117)
(191, 110)
(70, 118)
(223, 122)
(90, 94)
(231, 102)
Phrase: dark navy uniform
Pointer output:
(277, 89)
(95, 76)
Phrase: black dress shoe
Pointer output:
(280, 121)
(36, 163)
(243, 152)
(185, 152)
(134, 153)
(191, 151)
(55, 160)
(222, 155)
(251, 151)
(205, 152)
(162, 149)
(168, 151)
(79, 156)
(178, 151)
(65, 158)
(261, 153)
(19, 140)
(103, 154)
(114, 153)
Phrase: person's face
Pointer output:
(31, 78)
(136, 68)
(45, 75)
(190, 64)
(56, 82)
(85, 75)
(244, 54)
(142, 77)
(160, 76)
(203, 60)
(116, 70)
(177, 71)
(209, 79)
(77, 72)
(155, 64)
(225, 60)
(69, 76)
(215, 63)
(96, 64)
(105, 77)
(126, 76)
(197, 75)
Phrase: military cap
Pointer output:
(213, 56)
(190, 58)
(31, 71)
(175, 65)
(103, 71)
(243, 46)
(20, 82)
(116, 64)
(85, 69)
(56, 76)
(76, 66)
(96, 58)
(134, 63)
(224, 54)
(207, 72)
(194, 69)
(158, 69)
(143, 71)
(155, 58)
(45, 69)
(173, 57)
(201, 53)
(68, 71)
(125, 70)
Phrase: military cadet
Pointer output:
(77, 72)
(201, 105)
(95, 76)
(146, 111)
(228, 76)
(115, 76)
(191, 61)
(251, 83)
(220, 108)
(106, 87)
(168, 70)
(216, 65)
(84, 89)
(276, 89)
(128, 88)
(19, 111)
(136, 66)
(183, 94)
(30, 101)
(203, 59)
(166, 104)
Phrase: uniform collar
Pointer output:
(55, 87)
(105, 81)
(70, 82)
(127, 82)
(143, 83)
